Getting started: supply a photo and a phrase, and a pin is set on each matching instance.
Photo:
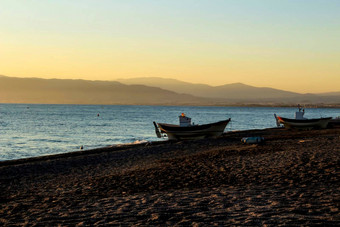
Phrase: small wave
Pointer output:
(139, 141)
(46, 140)
(99, 125)
(3, 124)
(134, 142)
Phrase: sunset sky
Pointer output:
(291, 45)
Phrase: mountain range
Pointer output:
(229, 91)
(150, 91)
(237, 92)
(57, 91)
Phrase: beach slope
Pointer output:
(291, 179)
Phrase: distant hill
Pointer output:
(146, 91)
(169, 84)
(329, 94)
(235, 91)
(56, 91)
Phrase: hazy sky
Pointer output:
(292, 44)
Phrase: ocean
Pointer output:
(30, 130)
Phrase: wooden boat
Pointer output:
(304, 123)
(186, 130)
(301, 122)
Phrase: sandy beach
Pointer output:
(291, 179)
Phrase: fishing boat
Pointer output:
(301, 122)
(186, 130)
(305, 123)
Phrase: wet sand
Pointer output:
(291, 179)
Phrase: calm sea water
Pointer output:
(28, 130)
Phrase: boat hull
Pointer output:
(175, 132)
(304, 123)
(334, 123)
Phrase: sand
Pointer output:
(291, 179)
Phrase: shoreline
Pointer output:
(119, 147)
(105, 149)
(116, 147)
(70, 154)
(291, 179)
